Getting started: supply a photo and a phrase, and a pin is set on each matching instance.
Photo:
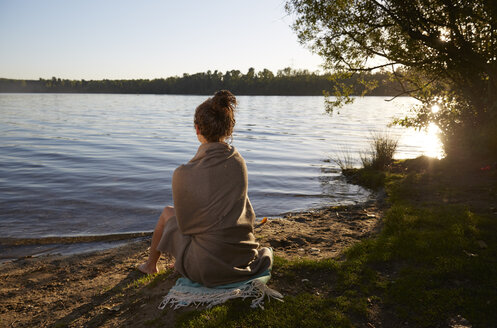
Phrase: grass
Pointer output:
(374, 162)
(440, 270)
(382, 149)
(150, 280)
(366, 177)
(307, 308)
(425, 267)
(344, 160)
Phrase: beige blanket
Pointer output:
(211, 236)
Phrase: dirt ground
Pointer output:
(104, 289)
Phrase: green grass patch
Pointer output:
(304, 310)
(342, 299)
(150, 280)
(368, 177)
(440, 269)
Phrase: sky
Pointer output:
(125, 39)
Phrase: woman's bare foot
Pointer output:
(147, 268)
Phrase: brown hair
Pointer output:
(215, 117)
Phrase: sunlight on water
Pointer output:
(427, 141)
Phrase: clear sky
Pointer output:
(127, 39)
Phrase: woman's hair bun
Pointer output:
(224, 99)
(215, 117)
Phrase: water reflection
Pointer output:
(427, 141)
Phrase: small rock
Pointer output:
(301, 250)
(315, 250)
(113, 309)
(305, 280)
(482, 244)
(470, 254)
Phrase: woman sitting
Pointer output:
(210, 229)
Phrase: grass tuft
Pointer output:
(344, 160)
(150, 279)
(380, 154)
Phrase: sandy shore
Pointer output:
(104, 289)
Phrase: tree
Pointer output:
(442, 52)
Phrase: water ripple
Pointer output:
(75, 164)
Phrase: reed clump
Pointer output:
(344, 160)
(381, 152)
(375, 161)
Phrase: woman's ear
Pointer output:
(197, 129)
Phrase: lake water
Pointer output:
(91, 164)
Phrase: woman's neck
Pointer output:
(202, 139)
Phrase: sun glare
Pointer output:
(435, 108)
(427, 141)
(444, 34)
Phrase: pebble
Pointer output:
(315, 250)
(113, 309)
(305, 280)
(470, 254)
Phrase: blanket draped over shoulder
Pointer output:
(212, 234)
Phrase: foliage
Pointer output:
(285, 82)
(442, 52)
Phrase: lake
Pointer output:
(93, 164)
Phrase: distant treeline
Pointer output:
(285, 82)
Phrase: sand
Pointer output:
(104, 289)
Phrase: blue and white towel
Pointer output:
(186, 292)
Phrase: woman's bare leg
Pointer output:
(150, 266)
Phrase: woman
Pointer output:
(210, 229)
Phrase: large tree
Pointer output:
(443, 52)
